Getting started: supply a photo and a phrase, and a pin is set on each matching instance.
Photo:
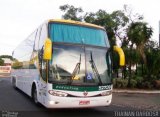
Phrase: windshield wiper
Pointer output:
(59, 74)
(94, 68)
(76, 70)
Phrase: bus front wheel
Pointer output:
(34, 95)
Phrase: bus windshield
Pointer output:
(79, 55)
(79, 65)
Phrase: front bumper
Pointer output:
(72, 102)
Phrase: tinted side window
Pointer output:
(43, 35)
(37, 39)
(23, 52)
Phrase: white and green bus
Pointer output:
(65, 64)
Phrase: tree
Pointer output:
(71, 12)
(153, 59)
(1, 62)
(133, 17)
(139, 34)
(6, 56)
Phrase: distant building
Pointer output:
(7, 61)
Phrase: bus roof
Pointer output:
(76, 23)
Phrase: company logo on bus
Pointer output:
(85, 93)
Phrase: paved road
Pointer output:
(16, 104)
(137, 100)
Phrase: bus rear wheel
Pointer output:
(14, 82)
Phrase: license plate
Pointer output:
(84, 102)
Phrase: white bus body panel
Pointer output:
(25, 78)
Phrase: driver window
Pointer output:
(42, 65)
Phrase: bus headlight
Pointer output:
(106, 93)
(51, 102)
(57, 93)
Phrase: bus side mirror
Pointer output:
(121, 55)
(47, 54)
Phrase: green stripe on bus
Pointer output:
(81, 88)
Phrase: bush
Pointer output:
(114, 82)
(147, 85)
(156, 84)
(124, 83)
(136, 82)
(120, 83)
(139, 81)
(133, 83)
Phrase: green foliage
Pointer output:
(133, 83)
(147, 85)
(136, 82)
(131, 56)
(1, 62)
(6, 56)
(139, 34)
(120, 83)
(153, 62)
(139, 80)
(71, 12)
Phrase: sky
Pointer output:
(19, 18)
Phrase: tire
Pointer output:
(14, 83)
(34, 95)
